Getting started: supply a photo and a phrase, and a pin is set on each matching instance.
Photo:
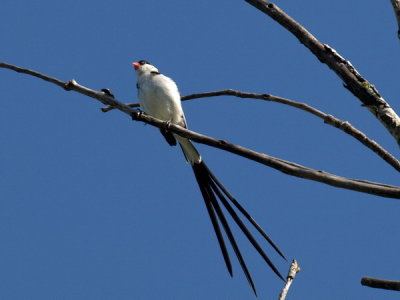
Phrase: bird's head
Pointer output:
(144, 67)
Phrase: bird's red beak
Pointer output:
(136, 65)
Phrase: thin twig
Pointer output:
(276, 163)
(381, 283)
(56, 81)
(293, 270)
(328, 119)
(353, 81)
(396, 9)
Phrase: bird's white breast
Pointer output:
(159, 97)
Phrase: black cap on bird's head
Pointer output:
(136, 65)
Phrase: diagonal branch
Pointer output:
(328, 119)
(284, 166)
(276, 163)
(396, 8)
(353, 81)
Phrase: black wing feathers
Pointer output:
(169, 137)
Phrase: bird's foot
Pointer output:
(108, 92)
(137, 115)
(166, 126)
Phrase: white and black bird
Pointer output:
(159, 97)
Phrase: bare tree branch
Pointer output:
(276, 163)
(33, 73)
(381, 283)
(328, 119)
(353, 80)
(293, 270)
(396, 8)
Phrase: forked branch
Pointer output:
(276, 163)
(328, 119)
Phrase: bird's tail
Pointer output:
(192, 156)
(215, 193)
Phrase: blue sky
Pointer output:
(95, 206)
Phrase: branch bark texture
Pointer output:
(353, 81)
(293, 270)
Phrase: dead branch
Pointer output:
(276, 163)
(328, 119)
(293, 270)
(284, 166)
(353, 81)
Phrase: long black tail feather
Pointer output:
(213, 207)
(212, 190)
(244, 212)
(207, 195)
(244, 229)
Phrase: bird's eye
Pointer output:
(143, 62)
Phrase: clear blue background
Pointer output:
(95, 206)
